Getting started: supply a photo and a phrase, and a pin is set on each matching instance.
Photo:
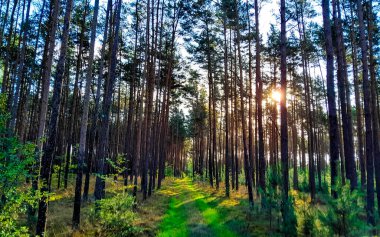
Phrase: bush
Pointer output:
(15, 160)
(303, 181)
(345, 215)
(271, 199)
(115, 216)
(289, 224)
(17, 203)
(306, 214)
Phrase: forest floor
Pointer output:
(182, 207)
(197, 210)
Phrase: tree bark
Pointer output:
(84, 120)
(49, 148)
(333, 120)
(284, 115)
(368, 117)
(106, 108)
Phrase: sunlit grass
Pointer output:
(182, 207)
(229, 203)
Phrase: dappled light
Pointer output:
(189, 118)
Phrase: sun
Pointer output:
(276, 95)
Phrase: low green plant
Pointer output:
(115, 216)
(306, 214)
(118, 165)
(271, 198)
(345, 214)
(16, 204)
(15, 160)
(289, 223)
(303, 181)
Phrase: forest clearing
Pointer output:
(189, 118)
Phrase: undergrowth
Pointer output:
(115, 216)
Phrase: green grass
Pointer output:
(174, 222)
(192, 213)
(182, 207)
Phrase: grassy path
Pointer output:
(181, 208)
(192, 212)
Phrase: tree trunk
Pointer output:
(346, 111)
(284, 115)
(333, 120)
(247, 167)
(49, 148)
(358, 103)
(84, 120)
(368, 117)
(226, 95)
(374, 105)
(106, 108)
(259, 94)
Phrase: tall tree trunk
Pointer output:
(358, 104)
(96, 112)
(84, 120)
(71, 138)
(284, 115)
(20, 70)
(6, 84)
(374, 105)
(294, 145)
(259, 94)
(250, 109)
(106, 108)
(49, 148)
(226, 95)
(45, 82)
(368, 117)
(346, 111)
(247, 167)
(333, 120)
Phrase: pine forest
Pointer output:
(197, 118)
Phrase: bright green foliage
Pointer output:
(303, 180)
(15, 160)
(289, 225)
(14, 204)
(118, 164)
(115, 215)
(271, 198)
(306, 214)
(345, 215)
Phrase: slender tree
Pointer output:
(47, 157)
(105, 114)
(84, 120)
(333, 120)
(368, 117)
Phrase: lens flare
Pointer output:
(276, 95)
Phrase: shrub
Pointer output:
(15, 160)
(306, 214)
(271, 198)
(115, 215)
(289, 224)
(16, 204)
(344, 215)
